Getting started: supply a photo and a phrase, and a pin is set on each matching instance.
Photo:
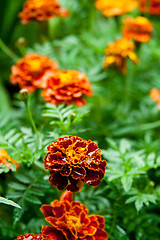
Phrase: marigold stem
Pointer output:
(73, 196)
(129, 79)
(8, 51)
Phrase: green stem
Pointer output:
(129, 79)
(27, 103)
(52, 26)
(8, 51)
(74, 196)
(113, 222)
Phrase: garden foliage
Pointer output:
(120, 117)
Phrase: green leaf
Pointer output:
(139, 203)
(9, 202)
(17, 186)
(127, 182)
(32, 199)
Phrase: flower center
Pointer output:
(74, 224)
(75, 156)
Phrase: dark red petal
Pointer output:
(94, 221)
(101, 235)
(92, 148)
(91, 176)
(78, 172)
(56, 167)
(47, 210)
(84, 219)
(66, 171)
(101, 221)
(58, 181)
(88, 231)
(72, 186)
(80, 144)
(59, 210)
(53, 233)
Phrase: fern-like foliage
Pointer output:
(63, 117)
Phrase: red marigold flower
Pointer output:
(67, 87)
(150, 7)
(155, 95)
(41, 10)
(140, 29)
(30, 236)
(118, 52)
(70, 221)
(115, 8)
(32, 71)
(6, 160)
(72, 161)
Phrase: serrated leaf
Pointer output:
(139, 203)
(22, 178)
(14, 195)
(124, 146)
(32, 199)
(131, 199)
(36, 192)
(127, 182)
(17, 186)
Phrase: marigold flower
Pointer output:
(70, 221)
(115, 8)
(6, 160)
(67, 87)
(155, 95)
(41, 10)
(150, 7)
(118, 52)
(30, 236)
(140, 29)
(73, 161)
(32, 71)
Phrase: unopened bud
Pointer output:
(24, 94)
(21, 42)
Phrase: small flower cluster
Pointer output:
(41, 10)
(71, 161)
(155, 95)
(139, 29)
(118, 52)
(38, 71)
(6, 160)
(150, 7)
(116, 7)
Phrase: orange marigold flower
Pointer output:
(67, 87)
(32, 71)
(6, 160)
(155, 95)
(140, 29)
(118, 52)
(115, 8)
(150, 7)
(30, 236)
(70, 221)
(41, 10)
(73, 161)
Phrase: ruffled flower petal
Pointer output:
(73, 161)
